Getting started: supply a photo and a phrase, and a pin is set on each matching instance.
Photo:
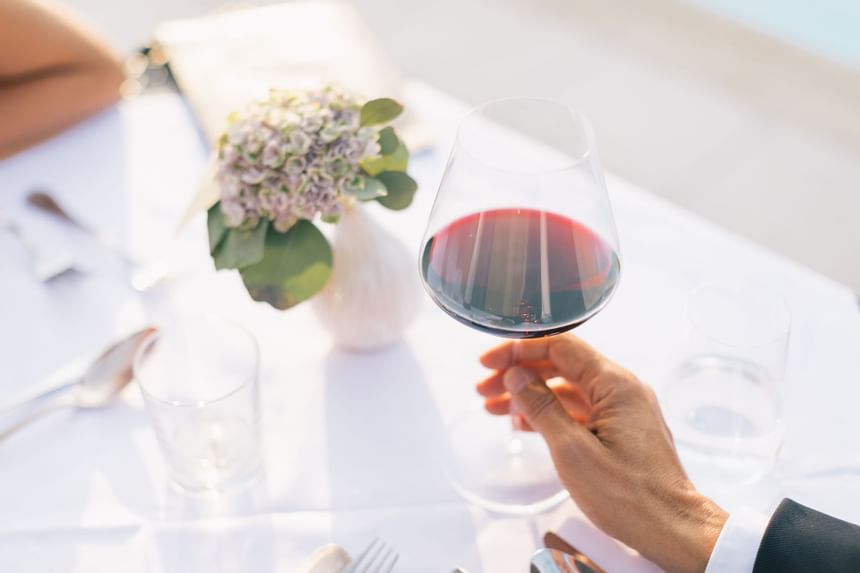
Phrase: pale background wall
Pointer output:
(754, 134)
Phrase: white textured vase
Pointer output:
(373, 292)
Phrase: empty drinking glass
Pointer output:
(724, 404)
(199, 382)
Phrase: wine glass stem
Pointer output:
(514, 444)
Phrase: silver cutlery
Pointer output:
(553, 541)
(141, 276)
(554, 561)
(102, 381)
(378, 557)
(45, 266)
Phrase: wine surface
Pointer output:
(519, 273)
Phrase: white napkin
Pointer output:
(329, 558)
(224, 60)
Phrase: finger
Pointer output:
(501, 406)
(571, 398)
(498, 405)
(493, 385)
(516, 351)
(542, 409)
(575, 359)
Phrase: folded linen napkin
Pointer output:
(329, 558)
(224, 60)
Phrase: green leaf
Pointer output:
(373, 189)
(331, 219)
(398, 160)
(216, 226)
(295, 266)
(388, 141)
(240, 247)
(381, 110)
(401, 189)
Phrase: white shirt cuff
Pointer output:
(738, 543)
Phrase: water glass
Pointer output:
(724, 402)
(199, 382)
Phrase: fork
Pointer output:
(378, 557)
(141, 276)
(46, 267)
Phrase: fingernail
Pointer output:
(516, 379)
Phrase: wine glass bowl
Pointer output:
(520, 243)
(518, 272)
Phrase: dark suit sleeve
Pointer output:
(800, 539)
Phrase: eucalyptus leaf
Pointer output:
(381, 110)
(241, 248)
(216, 226)
(373, 189)
(398, 160)
(401, 189)
(294, 267)
(388, 141)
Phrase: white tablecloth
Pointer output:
(351, 440)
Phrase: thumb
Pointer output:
(531, 397)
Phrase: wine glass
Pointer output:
(521, 243)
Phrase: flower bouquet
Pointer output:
(287, 161)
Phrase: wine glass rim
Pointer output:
(572, 163)
(150, 340)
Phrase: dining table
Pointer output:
(352, 441)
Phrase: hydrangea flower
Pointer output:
(294, 155)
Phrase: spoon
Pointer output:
(142, 277)
(103, 380)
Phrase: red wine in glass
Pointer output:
(519, 273)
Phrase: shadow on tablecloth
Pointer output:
(384, 439)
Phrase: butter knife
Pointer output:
(553, 541)
(555, 561)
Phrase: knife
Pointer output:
(555, 561)
(553, 541)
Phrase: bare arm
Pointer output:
(53, 73)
